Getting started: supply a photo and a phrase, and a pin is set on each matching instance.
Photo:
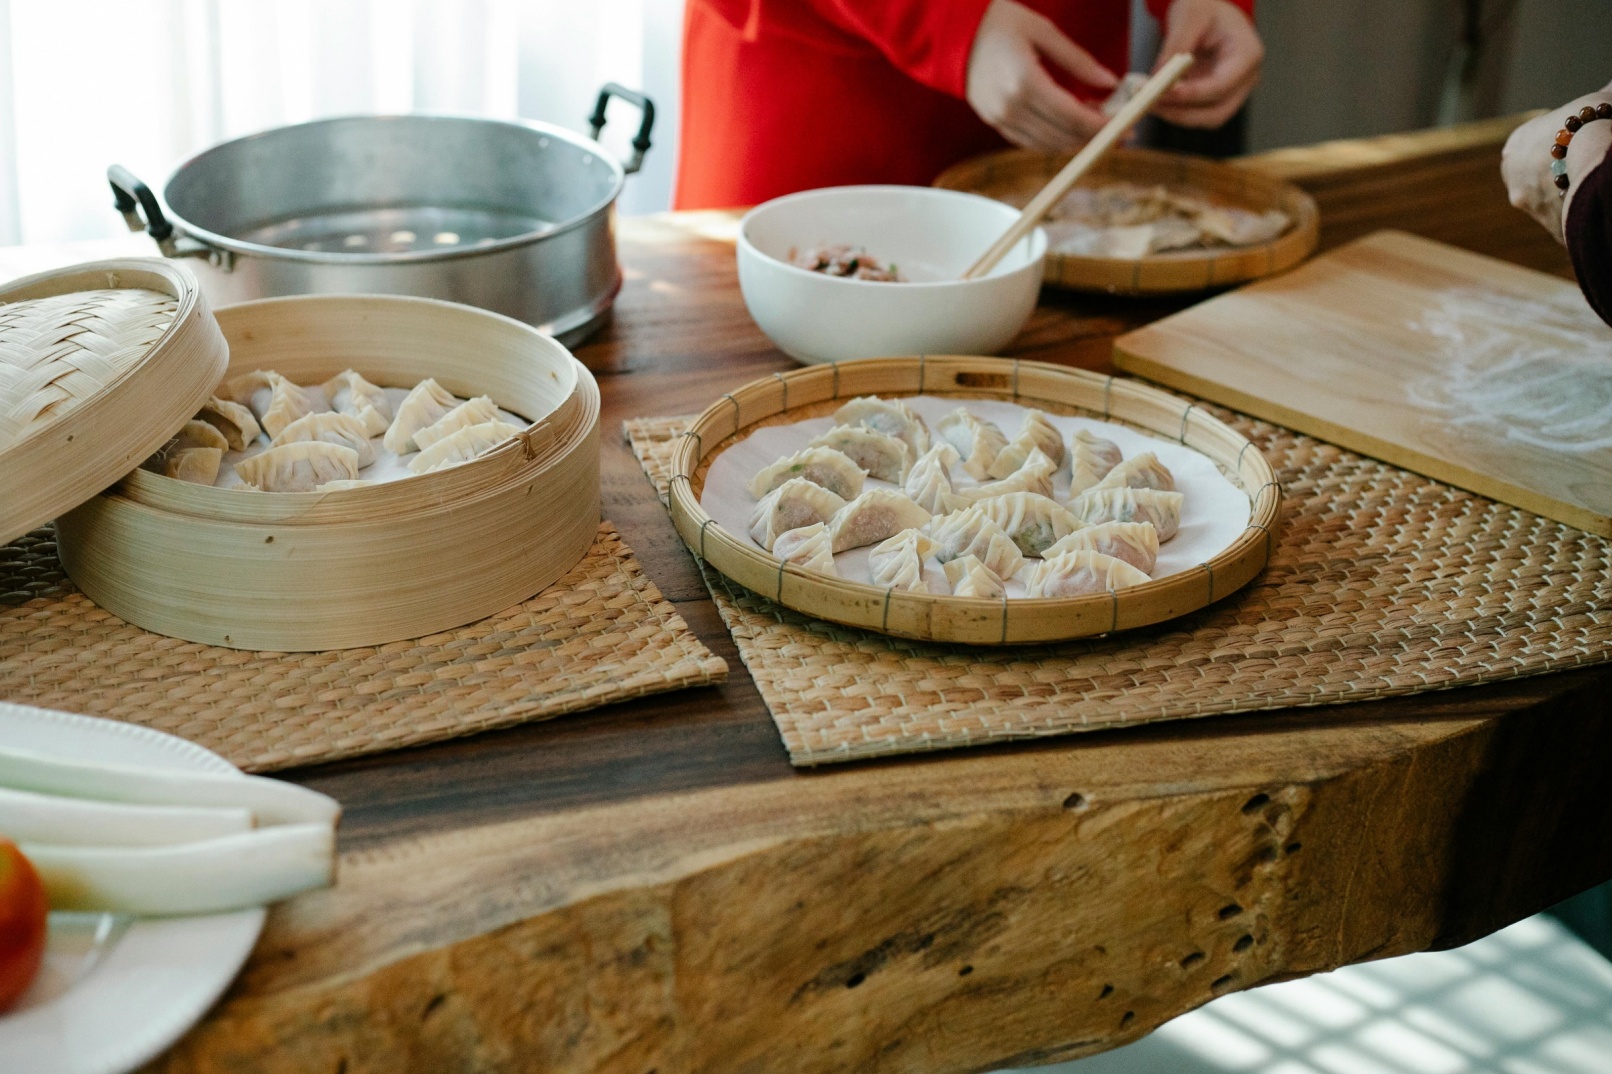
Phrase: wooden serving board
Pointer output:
(1475, 372)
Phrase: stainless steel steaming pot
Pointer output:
(515, 217)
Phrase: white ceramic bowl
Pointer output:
(931, 235)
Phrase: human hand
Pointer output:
(1227, 51)
(1525, 162)
(1010, 89)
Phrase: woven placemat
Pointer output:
(1382, 583)
(602, 633)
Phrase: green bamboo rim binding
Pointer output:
(964, 620)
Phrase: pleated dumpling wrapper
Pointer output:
(795, 503)
(1035, 475)
(299, 467)
(1080, 573)
(874, 516)
(809, 546)
(969, 577)
(198, 465)
(1137, 543)
(1143, 471)
(425, 403)
(1037, 433)
(1162, 509)
(275, 401)
(882, 457)
(888, 416)
(978, 442)
(349, 393)
(468, 443)
(1090, 459)
(332, 428)
(1034, 522)
(929, 482)
(475, 411)
(823, 466)
(970, 532)
(233, 421)
(898, 562)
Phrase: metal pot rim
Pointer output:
(413, 257)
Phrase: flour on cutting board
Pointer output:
(1538, 372)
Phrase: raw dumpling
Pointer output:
(971, 532)
(1090, 459)
(332, 428)
(810, 547)
(883, 457)
(1163, 509)
(977, 442)
(477, 411)
(275, 400)
(929, 482)
(1037, 432)
(462, 446)
(820, 465)
(1079, 573)
(971, 578)
(351, 394)
(888, 416)
(199, 434)
(792, 505)
(898, 563)
(299, 467)
(874, 516)
(1239, 227)
(1137, 543)
(1034, 522)
(231, 419)
(197, 464)
(1034, 476)
(1143, 471)
(423, 406)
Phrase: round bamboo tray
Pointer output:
(1014, 175)
(99, 365)
(793, 396)
(312, 571)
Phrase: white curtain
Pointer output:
(146, 83)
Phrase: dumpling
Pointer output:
(888, 416)
(1037, 432)
(792, 505)
(462, 446)
(332, 428)
(1001, 556)
(977, 442)
(196, 464)
(474, 412)
(1143, 471)
(1163, 509)
(971, 578)
(929, 482)
(427, 402)
(350, 393)
(1090, 459)
(971, 532)
(299, 467)
(898, 563)
(810, 547)
(199, 434)
(233, 420)
(1137, 543)
(1034, 522)
(1079, 573)
(820, 465)
(874, 516)
(276, 401)
(883, 457)
(1034, 476)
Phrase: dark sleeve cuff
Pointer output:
(1588, 230)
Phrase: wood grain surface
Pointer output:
(650, 887)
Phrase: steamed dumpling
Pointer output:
(1080, 573)
(1143, 471)
(1037, 433)
(1090, 459)
(349, 393)
(1162, 509)
(1035, 475)
(969, 577)
(1034, 522)
(426, 403)
(792, 505)
(200, 434)
(977, 442)
(971, 532)
(819, 465)
(474, 412)
(929, 482)
(809, 546)
(874, 516)
(195, 464)
(299, 467)
(883, 457)
(1137, 543)
(898, 563)
(888, 416)
(462, 446)
(234, 421)
(332, 428)
(276, 401)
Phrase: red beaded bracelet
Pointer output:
(1558, 152)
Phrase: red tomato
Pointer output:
(22, 924)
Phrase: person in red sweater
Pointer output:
(787, 95)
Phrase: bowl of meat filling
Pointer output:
(869, 271)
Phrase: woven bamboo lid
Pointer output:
(100, 364)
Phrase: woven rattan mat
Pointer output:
(602, 633)
(1382, 583)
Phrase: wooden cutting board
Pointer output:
(1472, 371)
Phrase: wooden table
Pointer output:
(651, 887)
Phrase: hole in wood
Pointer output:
(1256, 802)
(1108, 990)
(1268, 855)
(1130, 1016)
(269, 539)
(997, 381)
(1192, 960)
(1229, 911)
(965, 971)
(1244, 942)
(1220, 984)
(1294, 848)
(855, 979)
(1075, 801)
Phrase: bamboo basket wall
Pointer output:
(792, 396)
(1014, 175)
(313, 571)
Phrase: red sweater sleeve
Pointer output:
(927, 41)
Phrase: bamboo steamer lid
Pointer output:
(100, 365)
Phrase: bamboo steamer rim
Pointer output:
(968, 620)
(1170, 272)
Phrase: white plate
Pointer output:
(114, 992)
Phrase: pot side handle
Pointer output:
(131, 197)
(640, 141)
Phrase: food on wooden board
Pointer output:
(1162, 509)
(23, 911)
(969, 577)
(1037, 434)
(891, 417)
(874, 516)
(823, 466)
(929, 482)
(898, 563)
(843, 259)
(1137, 543)
(883, 458)
(811, 547)
(978, 442)
(1090, 459)
(792, 505)
(1080, 573)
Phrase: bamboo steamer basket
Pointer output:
(816, 390)
(402, 559)
(1014, 176)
